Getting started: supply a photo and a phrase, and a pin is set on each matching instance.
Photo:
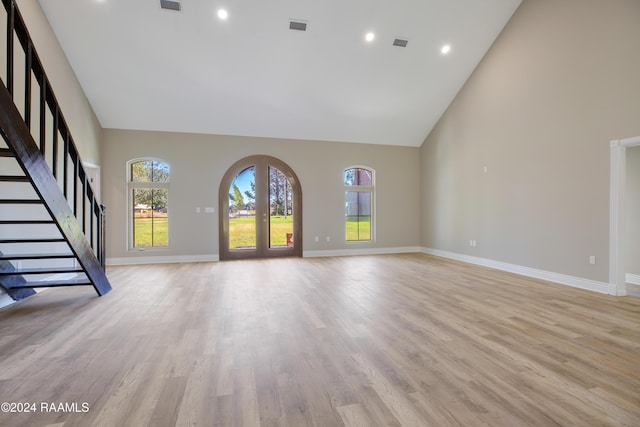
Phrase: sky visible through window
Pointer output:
(245, 179)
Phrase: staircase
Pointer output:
(51, 225)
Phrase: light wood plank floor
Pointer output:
(398, 340)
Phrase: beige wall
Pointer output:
(198, 163)
(77, 111)
(632, 199)
(558, 84)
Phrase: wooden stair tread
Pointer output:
(14, 178)
(20, 201)
(55, 240)
(53, 255)
(53, 283)
(6, 152)
(26, 221)
(40, 270)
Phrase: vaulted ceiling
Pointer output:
(148, 68)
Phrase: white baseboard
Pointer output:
(162, 259)
(210, 258)
(576, 282)
(633, 279)
(216, 257)
(361, 251)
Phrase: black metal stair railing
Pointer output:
(34, 128)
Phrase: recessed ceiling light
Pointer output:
(369, 37)
(445, 49)
(222, 14)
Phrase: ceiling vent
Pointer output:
(297, 25)
(171, 5)
(400, 42)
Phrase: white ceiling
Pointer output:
(146, 68)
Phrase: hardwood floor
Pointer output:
(398, 340)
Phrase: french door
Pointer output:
(260, 210)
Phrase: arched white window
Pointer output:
(148, 207)
(359, 186)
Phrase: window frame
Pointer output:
(361, 189)
(133, 185)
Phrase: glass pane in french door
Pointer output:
(242, 210)
(280, 210)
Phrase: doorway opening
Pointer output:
(617, 215)
(260, 205)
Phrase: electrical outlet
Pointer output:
(328, 239)
(592, 259)
(317, 239)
